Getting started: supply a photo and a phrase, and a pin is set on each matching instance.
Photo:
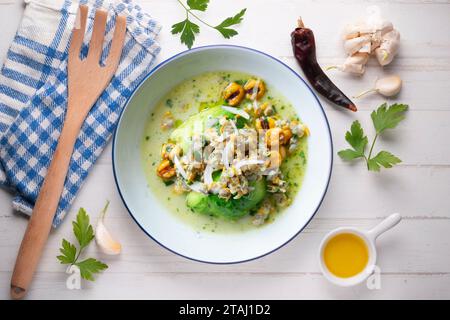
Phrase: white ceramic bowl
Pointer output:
(165, 228)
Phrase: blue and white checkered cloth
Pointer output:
(33, 95)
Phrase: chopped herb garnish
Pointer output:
(216, 175)
(168, 183)
(240, 122)
(302, 155)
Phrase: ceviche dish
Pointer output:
(224, 151)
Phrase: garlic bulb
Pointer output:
(103, 238)
(370, 35)
(388, 86)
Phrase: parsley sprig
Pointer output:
(84, 233)
(383, 118)
(189, 29)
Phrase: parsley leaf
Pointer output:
(383, 158)
(223, 27)
(383, 118)
(189, 29)
(82, 229)
(90, 266)
(68, 251)
(199, 5)
(388, 117)
(356, 138)
(84, 233)
(349, 154)
(178, 27)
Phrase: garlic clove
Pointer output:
(356, 63)
(352, 46)
(105, 241)
(357, 69)
(389, 47)
(358, 58)
(389, 86)
(353, 30)
(353, 64)
(366, 48)
(351, 35)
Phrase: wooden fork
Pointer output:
(86, 81)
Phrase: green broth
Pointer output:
(185, 100)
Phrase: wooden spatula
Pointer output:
(86, 81)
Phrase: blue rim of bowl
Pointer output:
(163, 63)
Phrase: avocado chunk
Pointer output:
(197, 122)
(228, 209)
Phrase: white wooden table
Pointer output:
(414, 258)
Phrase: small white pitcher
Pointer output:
(369, 237)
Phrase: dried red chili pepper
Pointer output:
(304, 47)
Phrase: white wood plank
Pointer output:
(232, 286)
(414, 246)
(268, 23)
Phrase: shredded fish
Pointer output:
(237, 111)
(198, 187)
(179, 167)
(207, 175)
(247, 162)
(227, 152)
